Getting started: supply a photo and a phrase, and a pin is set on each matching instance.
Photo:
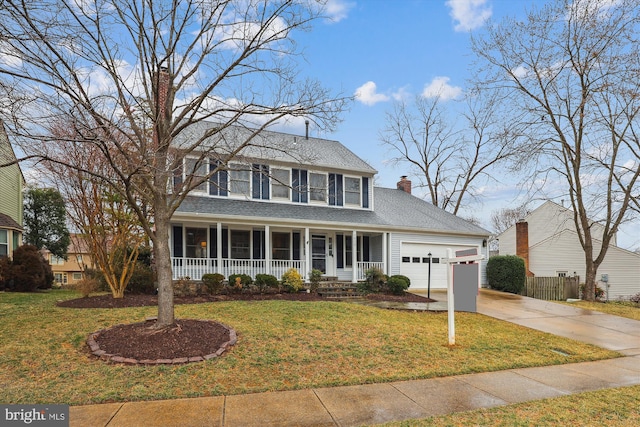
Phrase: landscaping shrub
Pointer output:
(29, 270)
(143, 280)
(506, 273)
(87, 286)
(237, 282)
(292, 280)
(5, 272)
(314, 277)
(635, 298)
(374, 282)
(266, 281)
(397, 284)
(213, 282)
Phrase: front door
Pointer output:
(319, 253)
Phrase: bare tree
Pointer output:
(134, 77)
(501, 219)
(108, 226)
(570, 73)
(449, 161)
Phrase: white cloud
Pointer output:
(9, 56)
(469, 14)
(337, 10)
(368, 95)
(440, 87)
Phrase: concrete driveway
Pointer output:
(604, 330)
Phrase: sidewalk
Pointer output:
(379, 403)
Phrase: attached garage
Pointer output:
(415, 263)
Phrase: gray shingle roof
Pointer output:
(394, 209)
(277, 146)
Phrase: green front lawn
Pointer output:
(618, 407)
(623, 308)
(281, 345)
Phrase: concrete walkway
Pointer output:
(379, 403)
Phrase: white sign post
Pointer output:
(450, 310)
(465, 257)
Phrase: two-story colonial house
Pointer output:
(11, 185)
(308, 203)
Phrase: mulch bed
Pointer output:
(187, 340)
(135, 300)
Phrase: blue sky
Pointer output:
(380, 50)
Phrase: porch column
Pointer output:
(267, 249)
(307, 252)
(354, 256)
(219, 246)
(385, 264)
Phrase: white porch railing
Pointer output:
(364, 266)
(194, 268)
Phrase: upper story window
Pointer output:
(55, 260)
(240, 177)
(219, 181)
(299, 185)
(197, 168)
(260, 182)
(352, 191)
(280, 184)
(318, 187)
(335, 189)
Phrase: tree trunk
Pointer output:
(163, 269)
(589, 293)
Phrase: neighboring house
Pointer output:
(309, 203)
(548, 242)
(11, 185)
(71, 270)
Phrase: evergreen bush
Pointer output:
(506, 273)
(266, 281)
(398, 284)
(213, 282)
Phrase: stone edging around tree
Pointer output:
(103, 355)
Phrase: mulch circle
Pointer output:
(187, 341)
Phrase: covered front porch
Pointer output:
(234, 248)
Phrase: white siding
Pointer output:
(564, 253)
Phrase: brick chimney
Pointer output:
(404, 184)
(522, 244)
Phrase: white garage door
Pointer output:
(415, 264)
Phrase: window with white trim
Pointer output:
(260, 181)
(218, 182)
(55, 260)
(77, 276)
(299, 185)
(352, 191)
(281, 244)
(318, 187)
(280, 184)
(240, 178)
(4, 243)
(197, 169)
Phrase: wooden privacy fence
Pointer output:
(551, 288)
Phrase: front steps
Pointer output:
(331, 287)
